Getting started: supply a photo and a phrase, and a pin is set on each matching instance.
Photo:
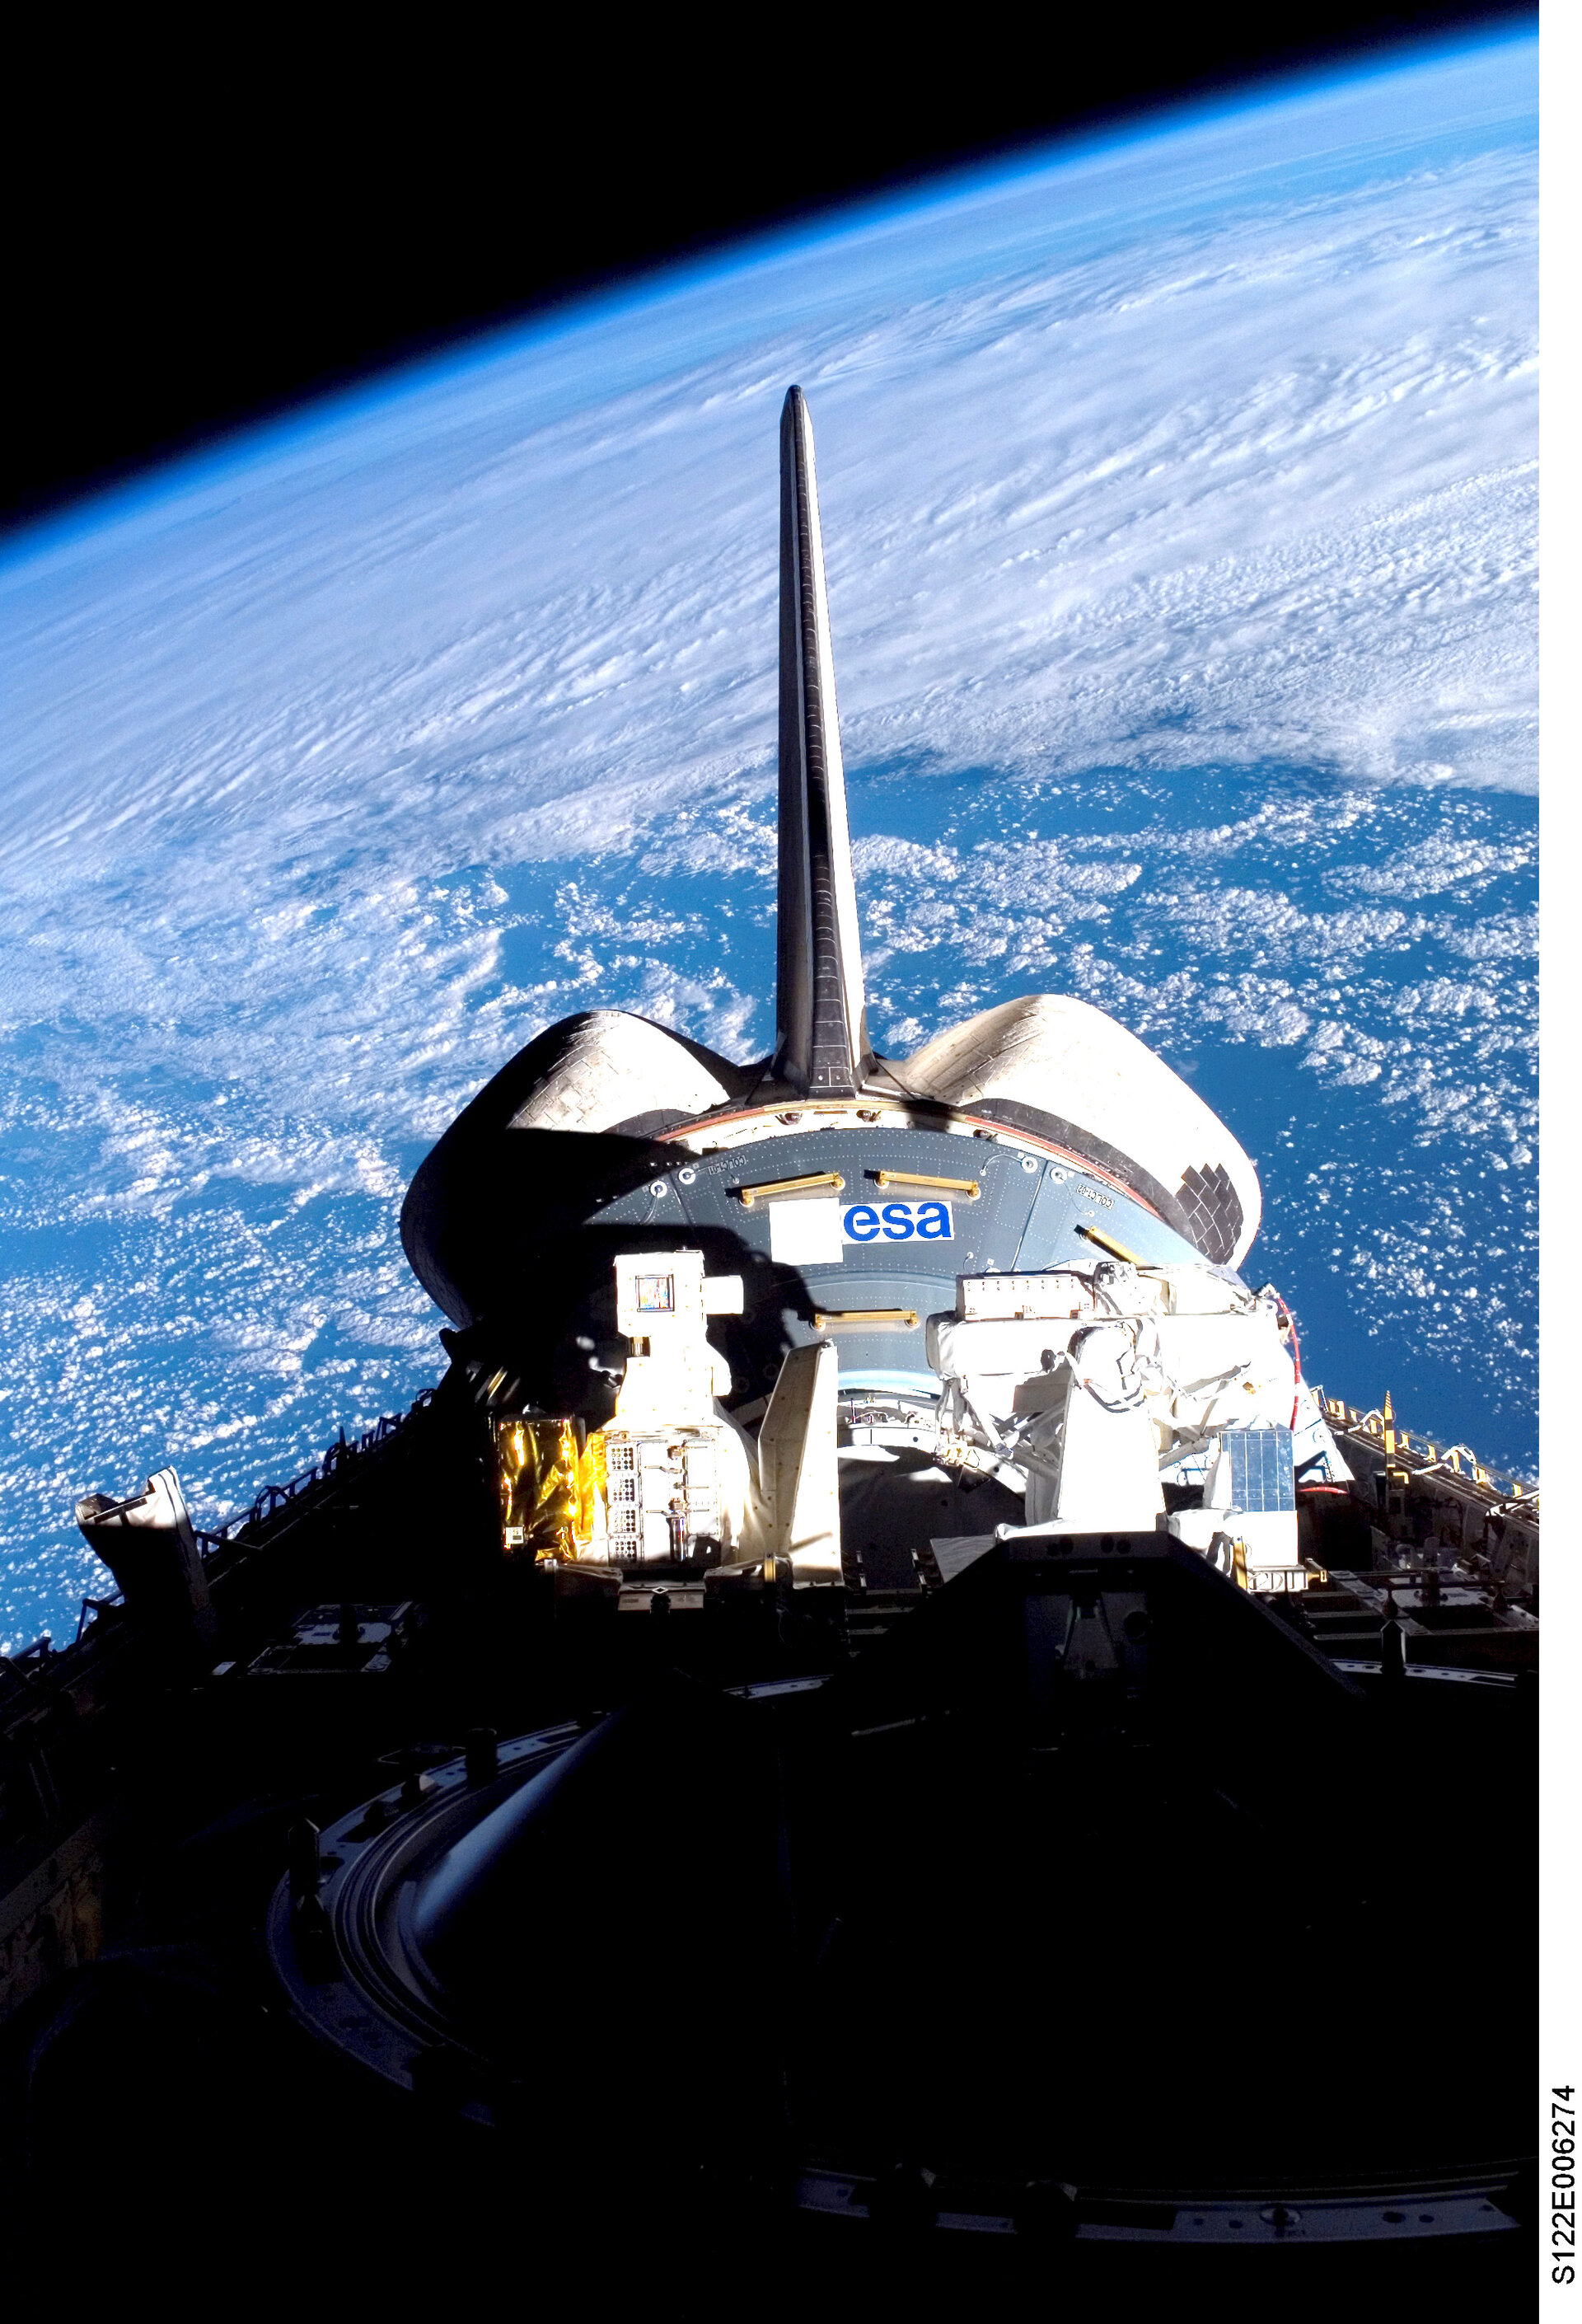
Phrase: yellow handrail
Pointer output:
(855, 1318)
(968, 1188)
(1109, 1243)
(751, 1195)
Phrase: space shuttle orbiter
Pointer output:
(880, 1534)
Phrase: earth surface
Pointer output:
(1178, 494)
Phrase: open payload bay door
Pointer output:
(1062, 1069)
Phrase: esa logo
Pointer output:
(896, 1222)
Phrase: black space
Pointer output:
(210, 223)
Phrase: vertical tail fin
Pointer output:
(822, 1042)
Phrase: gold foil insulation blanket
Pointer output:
(546, 1486)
